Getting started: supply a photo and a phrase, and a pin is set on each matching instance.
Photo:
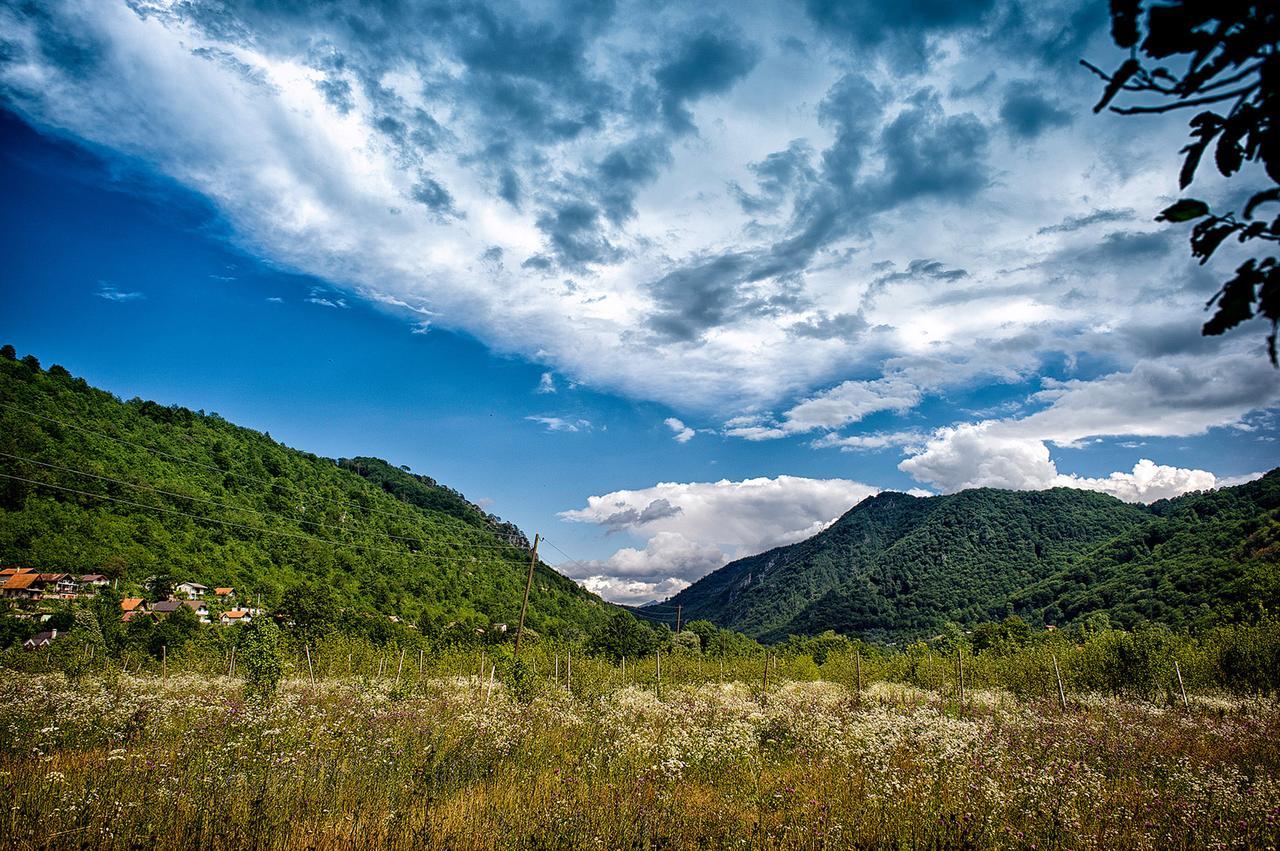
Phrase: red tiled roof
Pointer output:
(19, 581)
(222, 592)
(235, 614)
(131, 603)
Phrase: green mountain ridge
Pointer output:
(896, 567)
(96, 484)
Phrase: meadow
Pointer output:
(390, 749)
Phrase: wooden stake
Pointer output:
(624, 670)
(311, 671)
(657, 674)
(765, 691)
(164, 661)
(857, 662)
(382, 660)
(557, 673)
(1181, 687)
(568, 669)
(419, 663)
(1062, 694)
(489, 690)
(527, 585)
(960, 663)
(400, 667)
(678, 608)
(231, 666)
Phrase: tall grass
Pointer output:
(441, 760)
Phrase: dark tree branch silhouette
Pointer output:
(1225, 43)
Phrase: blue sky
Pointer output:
(670, 285)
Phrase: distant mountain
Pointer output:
(897, 567)
(95, 484)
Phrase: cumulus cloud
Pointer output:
(691, 528)
(843, 404)
(683, 434)
(1177, 397)
(546, 384)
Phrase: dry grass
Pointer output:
(351, 763)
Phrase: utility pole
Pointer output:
(527, 585)
(678, 608)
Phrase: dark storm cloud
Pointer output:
(430, 193)
(842, 326)
(1027, 114)
(658, 509)
(778, 177)
(705, 64)
(901, 27)
(927, 155)
(576, 236)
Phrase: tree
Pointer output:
(8, 352)
(312, 607)
(260, 658)
(1232, 64)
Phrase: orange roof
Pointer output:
(20, 581)
(52, 577)
(131, 603)
(222, 592)
(10, 571)
(235, 614)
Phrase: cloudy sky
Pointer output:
(668, 282)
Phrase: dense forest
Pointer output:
(138, 490)
(897, 567)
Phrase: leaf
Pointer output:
(1229, 156)
(1205, 126)
(1124, 22)
(1264, 197)
(1183, 211)
(1206, 237)
(1234, 300)
(1118, 79)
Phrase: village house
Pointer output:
(199, 607)
(235, 616)
(224, 595)
(191, 590)
(133, 604)
(94, 582)
(22, 585)
(40, 639)
(167, 607)
(62, 586)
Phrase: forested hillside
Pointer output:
(899, 567)
(135, 489)
(1201, 558)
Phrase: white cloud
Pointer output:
(110, 293)
(1166, 398)
(683, 434)
(562, 423)
(632, 592)
(1147, 483)
(839, 406)
(546, 383)
(691, 528)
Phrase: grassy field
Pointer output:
(122, 761)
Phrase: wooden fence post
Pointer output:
(557, 670)
(857, 667)
(960, 664)
(657, 674)
(1185, 704)
(1057, 672)
(311, 671)
(164, 661)
(419, 663)
(568, 669)
(400, 667)
(231, 666)
(764, 693)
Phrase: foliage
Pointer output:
(1232, 54)
(899, 568)
(259, 654)
(157, 495)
